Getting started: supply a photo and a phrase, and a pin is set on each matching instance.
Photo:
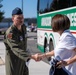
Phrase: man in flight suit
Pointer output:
(15, 40)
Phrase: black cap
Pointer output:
(17, 11)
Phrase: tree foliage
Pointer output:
(1, 12)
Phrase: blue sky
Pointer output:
(29, 7)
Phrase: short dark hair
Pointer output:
(60, 22)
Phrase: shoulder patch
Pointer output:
(9, 36)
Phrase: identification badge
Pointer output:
(21, 38)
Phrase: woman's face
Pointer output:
(18, 19)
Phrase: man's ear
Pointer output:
(75, 49)
(12, 18)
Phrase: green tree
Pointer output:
(1, 12)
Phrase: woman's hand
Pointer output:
(37, 57)
(61, 64)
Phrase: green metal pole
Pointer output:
(22, 5)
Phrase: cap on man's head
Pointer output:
(17, 11)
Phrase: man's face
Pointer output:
(18, 19)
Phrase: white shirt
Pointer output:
(64, 49)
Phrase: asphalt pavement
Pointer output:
(35, 68)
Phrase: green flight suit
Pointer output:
(16, 54)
